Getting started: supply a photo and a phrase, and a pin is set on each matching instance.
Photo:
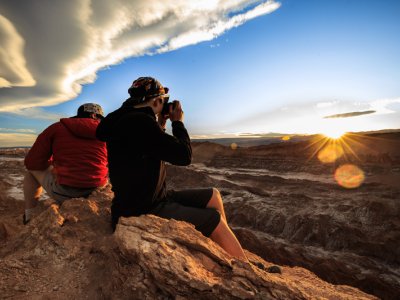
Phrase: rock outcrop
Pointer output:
(70, 252)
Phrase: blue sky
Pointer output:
(282, 71)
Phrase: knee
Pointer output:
(28, 173)
(216, 193)
(37, 176)
(29, 178)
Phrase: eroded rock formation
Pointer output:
(70, 252)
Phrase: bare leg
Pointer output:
(224, 237)
(216, 202)
(32, 190)
(222, 234)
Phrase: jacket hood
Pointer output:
(105, 129)
(81, 127)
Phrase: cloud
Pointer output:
(50, 48)
(38, 114)
(382, 106)
(351, 114)
(377, 107)
(12, 61)
(17, 139)
(17, 130)
(326, 104)
(310, 118)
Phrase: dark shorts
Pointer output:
(189, 206)
(60, 192)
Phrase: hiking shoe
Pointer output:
(24, 221)
(271, 269)
(258, 265)
(274, 269)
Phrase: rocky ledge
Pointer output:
(70, 252)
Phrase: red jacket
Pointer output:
(79, 159)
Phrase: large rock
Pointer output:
(70, 252)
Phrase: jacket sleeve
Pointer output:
(174, 149)
(39, 156)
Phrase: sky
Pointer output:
(239, 67)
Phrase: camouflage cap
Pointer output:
(144, 88)
(91, 108)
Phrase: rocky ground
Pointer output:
(70, 252)
(284, 205)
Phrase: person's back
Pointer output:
(78, 157)
(137, 148)
(66, 159)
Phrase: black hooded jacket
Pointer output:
(137, 149)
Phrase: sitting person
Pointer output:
(138, 148)
(66, 160)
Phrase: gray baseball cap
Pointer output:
(91, 108)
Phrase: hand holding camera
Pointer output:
(173, 110)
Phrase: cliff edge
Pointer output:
(70, 252)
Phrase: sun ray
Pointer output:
(323, 141)
(355, 139)
(348, 147)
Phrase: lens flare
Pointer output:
(349, 176)
(285, 138)
(234, 146)
(330, 153)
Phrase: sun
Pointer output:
(333, 133)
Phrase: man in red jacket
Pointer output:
(66, 160)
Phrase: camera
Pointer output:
(166, 107)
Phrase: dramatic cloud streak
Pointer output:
(12, 61)
(350, 114)
(50, 48)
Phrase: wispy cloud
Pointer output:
(16, 139)
(382, 106)
(309, 118)
(49, 49)
(38, 113)
(17, 130)
(351, 114)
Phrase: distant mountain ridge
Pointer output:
(270, 138)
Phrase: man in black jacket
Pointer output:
(138, 148)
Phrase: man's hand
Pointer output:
(176, 112)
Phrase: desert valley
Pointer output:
(329, 207)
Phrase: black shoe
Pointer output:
(271, 269)
(274, 269)
(24, 221)
(258, 265)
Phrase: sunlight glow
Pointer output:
(330, 153)
(333, 133)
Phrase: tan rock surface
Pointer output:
(70, 252)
